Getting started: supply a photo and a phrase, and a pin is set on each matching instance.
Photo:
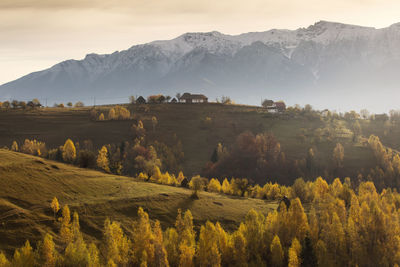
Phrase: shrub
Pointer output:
(86, 159)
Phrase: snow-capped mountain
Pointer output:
(327, 64)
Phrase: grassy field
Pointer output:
(55, 125)
(28, 184)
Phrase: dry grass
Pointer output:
(28, 184)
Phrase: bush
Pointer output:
(86, 159)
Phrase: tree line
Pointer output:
(342, 227)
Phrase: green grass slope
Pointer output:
(28, 184)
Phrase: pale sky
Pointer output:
(36, 34)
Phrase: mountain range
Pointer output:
(328, 65)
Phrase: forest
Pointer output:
(338, 227)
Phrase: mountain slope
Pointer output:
(302, 65)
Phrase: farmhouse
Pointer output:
(274, 107)
(140, 100)
(192, 98)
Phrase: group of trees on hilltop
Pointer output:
(15, 104)
(251, 156)
(128, 158)
(78, 104)
(260, 157)
(387, 171)
(342, 228)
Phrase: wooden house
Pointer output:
(193, 98)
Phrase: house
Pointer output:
(193, 98)
(280, 106)
(140, 100)
(174, 101)
(274, 107)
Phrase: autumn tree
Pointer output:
(171, 244)
(76, 252)
(276, 252)
(143, 239)
(197, 183)
(3, 260)
(49, 253)
(214, 186)
(186, 242)
(102, 159)
(69, 151)
(294, 254)
(24, 256)
(112, 115)
(14, 146)
(101, 117)
(338, 155)
(208, 251)
(239, 245)
(117, 245)
(66, 231)
(154, 122)
(160, 253)
(55, 206)
(138, 130)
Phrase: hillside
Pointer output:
(296, 133)
(318, 64)
(28, 184)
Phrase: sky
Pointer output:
(36, 34)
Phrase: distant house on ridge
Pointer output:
(274, 107)
(193, 98)
(140, 100)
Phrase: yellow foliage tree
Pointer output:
(49, 252)
(208, 253)
(24, 257)
(69, 151)
(214, 186)
(294, 254)
(116, 243)
(171, 244)
(3, 260)
(143, 239)
(65, 231)
(160, 253)
(338, 155)
(112, 115)
(276, 252)
(102, 159)
(180, 177)
(154, 122)
(226, 187)
(101, 117)
(297, 224)
(55, 206)
(14, 146)
(93, 256)
(239, 245)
